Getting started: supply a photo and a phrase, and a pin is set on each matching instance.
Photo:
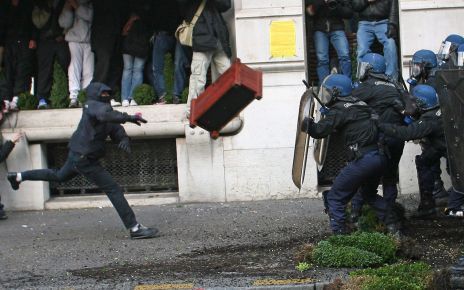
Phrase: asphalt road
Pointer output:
(205, 245)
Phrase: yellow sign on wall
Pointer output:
(283, 39)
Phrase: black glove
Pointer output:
(124, 145)
(392, 31)
(136, 119)
(307, 122)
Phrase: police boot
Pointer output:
(3, 215)
(426, 206)
(439, 190)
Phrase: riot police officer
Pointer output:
(381, 93)
(429, 129)
(86, 146)
(448, 50)
(422, 68)
(357, 123)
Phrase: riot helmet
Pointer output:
(333, 87)
(371, 63)
(422, 62)
(426, 97)
(449, 46)
(460, 61)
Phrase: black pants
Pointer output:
(18, 67)
(108, 61)
(95, 173)
(47, 50)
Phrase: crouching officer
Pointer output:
(86, 146)
(382, 94)
(429, 129)
(357, 123)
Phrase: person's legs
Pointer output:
(75, 69)
(103, 56)
(199, 67)
(426, 179)
(126, 83)
(24, 68)
(391, 177)
(340, 43)
(180, 73)
(137, 75)
(45, 60)
(365, 37)
(162, 44)
(11, 53)
(221, 62)
(321, 45)
(62, 55)
(98, 175)
(88, 65)
(3, 215)
(389, 49)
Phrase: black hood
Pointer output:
(94, 91)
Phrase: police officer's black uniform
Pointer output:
(429, 129)
(87, 145)
(383, 95)
(356, 122)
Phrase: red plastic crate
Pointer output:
(235, 89)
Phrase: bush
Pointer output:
(403, 276)
(328, 255)
(144, 94)
(377, 243)
(59, 92)
(27, 101)
(169, 80)
(82, 97)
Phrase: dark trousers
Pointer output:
(364, 175)
(426, 173)
(47, 51)
(455, 200)
(390, 177)
(95, 173)
(108, 61)
(18, 67)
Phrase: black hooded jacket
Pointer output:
(328, 20)
(377, 10)
(98, 121)
(210, 29)
(353, 119)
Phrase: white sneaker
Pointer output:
(125, 103)
(114, 103)
(6, 106)
(133, 103)
(14, 104)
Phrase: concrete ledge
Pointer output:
(74, 202)
(164, 121)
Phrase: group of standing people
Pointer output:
(119, 43)
(377, 19)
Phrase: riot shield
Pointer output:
(300, 153)
(450, 89)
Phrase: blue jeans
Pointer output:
(132, 75)
(164, 43)
(367, 32)
(340, 43)
(363, 174)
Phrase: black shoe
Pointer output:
(12, 179)
(144, 233)
(425, 212)
(439, 190)
(3, 215)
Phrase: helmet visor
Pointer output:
(362, 70)
(415, 69)
(325, 95)
(445, 50)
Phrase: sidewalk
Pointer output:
(208, 245)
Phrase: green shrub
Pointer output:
(144, 94)
(403, 276)
(303, 266)
(59, 92)
(169, 80)
(328, 255)
(380, 244)
(82, 97)
(27, 101)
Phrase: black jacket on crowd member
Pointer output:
(353, 119)
(330, 19)
(428, 128)
(50, 29)
(166, 16)
(18, 21)
(136, 42)
(98, 121)
(210, 29)
(376, 10)
(109, 17)
(3, 14)
(383, 96)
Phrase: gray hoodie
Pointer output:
(77, 23)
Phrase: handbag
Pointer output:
(184, 33)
